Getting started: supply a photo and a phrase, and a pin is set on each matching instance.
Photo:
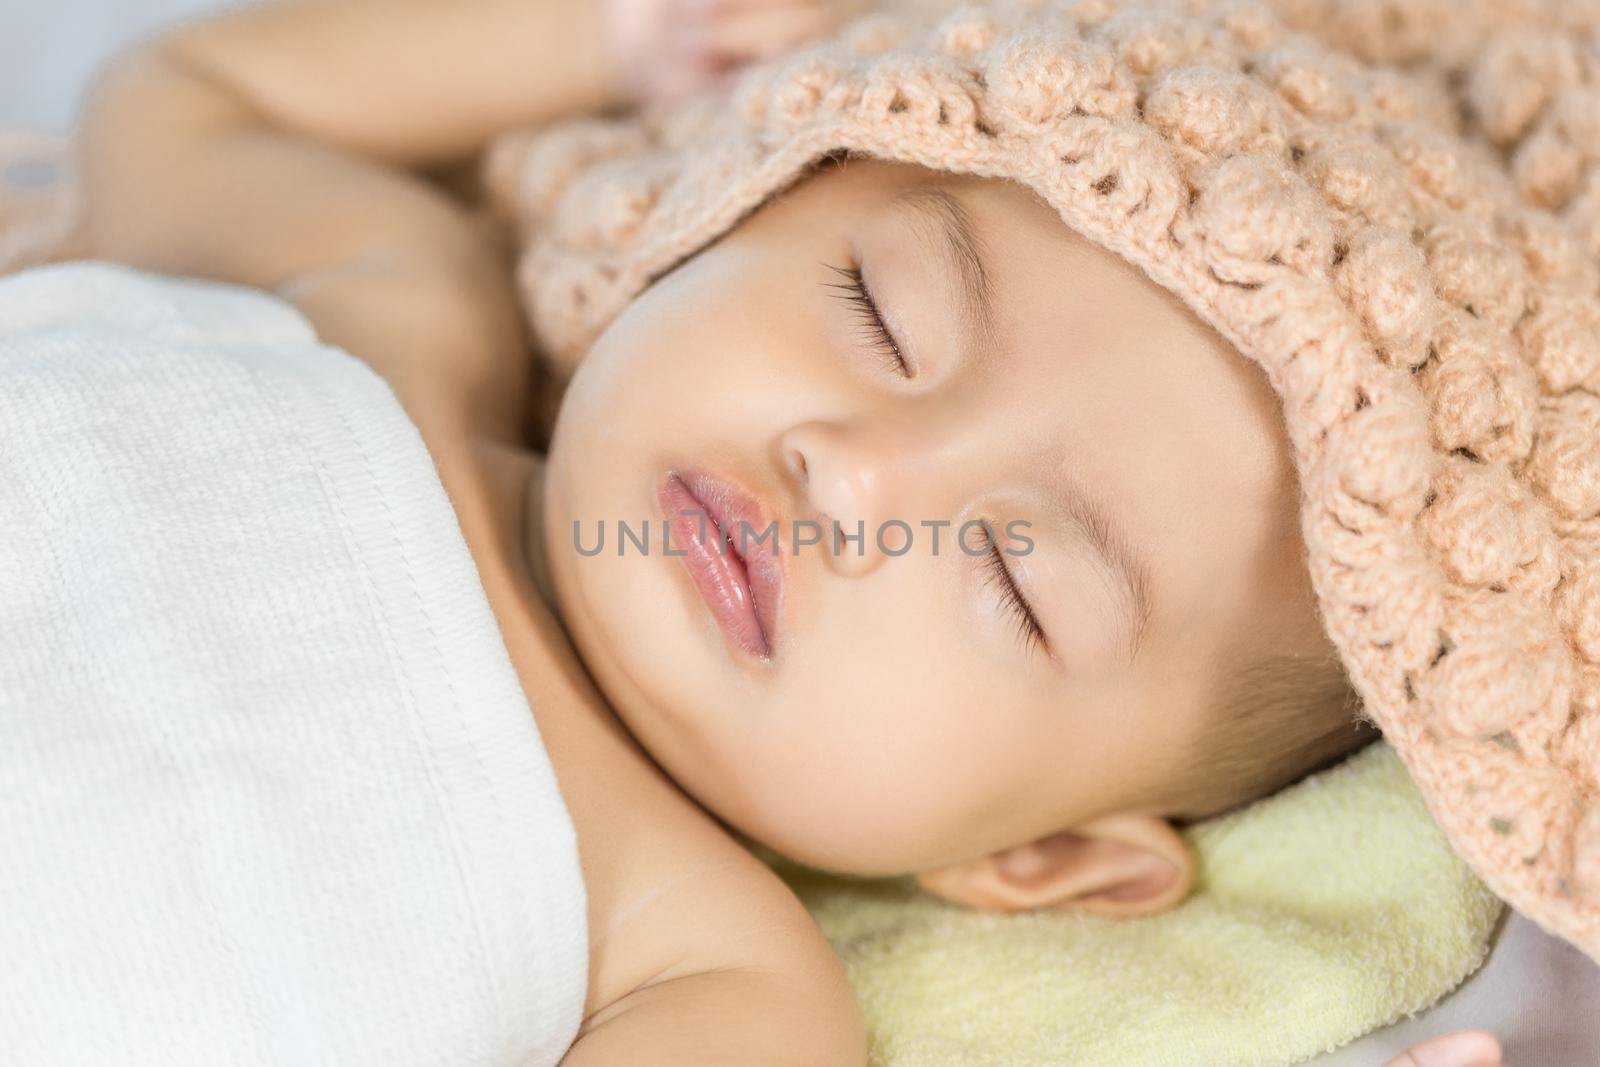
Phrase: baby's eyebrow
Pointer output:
(949, 224)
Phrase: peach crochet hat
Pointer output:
(1413, 258)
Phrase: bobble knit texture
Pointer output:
(1411, 256)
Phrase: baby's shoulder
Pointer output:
(672, 895)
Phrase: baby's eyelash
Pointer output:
(853, 291)
(1011, 598)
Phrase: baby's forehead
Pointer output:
(1028, 235)
(1084, 318)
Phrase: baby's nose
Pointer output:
(848, 483)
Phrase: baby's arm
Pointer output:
(409, 82)
(207, 151)
(182, 174)
(423, 82)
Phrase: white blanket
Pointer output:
(270, 792)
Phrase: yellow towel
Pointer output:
(1321, 913)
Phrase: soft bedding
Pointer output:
(1321, 913)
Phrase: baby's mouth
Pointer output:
(712, 523)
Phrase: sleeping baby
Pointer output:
(986, 443)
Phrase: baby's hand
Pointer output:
(663, 50)
(1464, 1048)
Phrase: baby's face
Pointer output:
(908, 351)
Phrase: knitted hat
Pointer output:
(1431, 327)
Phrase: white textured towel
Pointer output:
(270, 792)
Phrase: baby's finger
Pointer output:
(1464, 1048)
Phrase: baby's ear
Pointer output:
(1118, 865)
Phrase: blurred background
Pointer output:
(48, 50)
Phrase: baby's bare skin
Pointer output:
(233, 151)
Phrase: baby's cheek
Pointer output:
(888, 776)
